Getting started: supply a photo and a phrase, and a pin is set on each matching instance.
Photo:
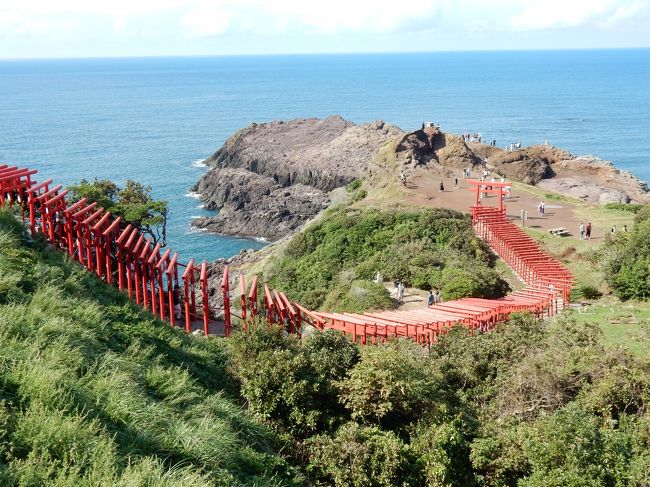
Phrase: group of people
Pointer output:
(585, 231)
(434, 297)
(472, 137)
(513, 146)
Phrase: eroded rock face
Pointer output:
(431, 146)
(269, 179)
(529, 165)
(251, 204)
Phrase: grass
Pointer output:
(95, 391)
(623, 324)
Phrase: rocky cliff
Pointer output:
(269, 179)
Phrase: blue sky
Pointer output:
(89, 28)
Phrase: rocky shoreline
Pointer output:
(269, 179)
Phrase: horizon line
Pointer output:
(352, 53)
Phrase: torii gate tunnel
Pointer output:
(119, 254)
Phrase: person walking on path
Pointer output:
(540, 212)
(431, 299)
(400, 292)
(588, 231)
(582, 231)
(442, 187)
(436, 297)
(455, 183)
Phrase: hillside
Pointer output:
(96, 392)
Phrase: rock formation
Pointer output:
(269, 179)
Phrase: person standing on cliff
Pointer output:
(588, 231)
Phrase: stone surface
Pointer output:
(269, 179)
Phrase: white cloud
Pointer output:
(207, 19)
(548, 14)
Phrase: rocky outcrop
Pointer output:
(251, 204)
(430, 146)
(269, 179)
(587, 178)
(529, 165)
(596, 181)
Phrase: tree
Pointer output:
(133, 202)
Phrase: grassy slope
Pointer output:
(94, 391)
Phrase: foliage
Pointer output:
(361, 456)
(590, 292)
(391, 386)
(626, 260)
(289, 381)
(631, 207)
(429, 248)
(95, 391)
(133, 202)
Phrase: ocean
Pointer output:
(155, 119)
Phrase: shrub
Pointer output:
(631, 207)
(361, 456)
(354, 185)
(587, 291)
(391, 386)
(289, 382)
(411, 246)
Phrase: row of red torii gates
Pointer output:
(121, 255)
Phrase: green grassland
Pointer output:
(96, 392)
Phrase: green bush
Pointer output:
(414, 247)
(625, 260)
(631, 207)
(361, 456)
(587, 291)
(391, 385)
(290, 382)
(354, 185)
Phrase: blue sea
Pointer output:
(154, 119)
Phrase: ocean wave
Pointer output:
(196, 230)
(192, 194)
(200, 207)
(199, 163)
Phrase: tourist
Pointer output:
(613, 230)
(402, 177)
(400, 292)
(436, 297)
(455, 183)
(430, 299)
(540, 211)
(177, 302)
(582, 231)
(588, 231)
(543, 208)
(442, 187)
(625, 228)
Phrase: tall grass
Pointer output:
(95, 391)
